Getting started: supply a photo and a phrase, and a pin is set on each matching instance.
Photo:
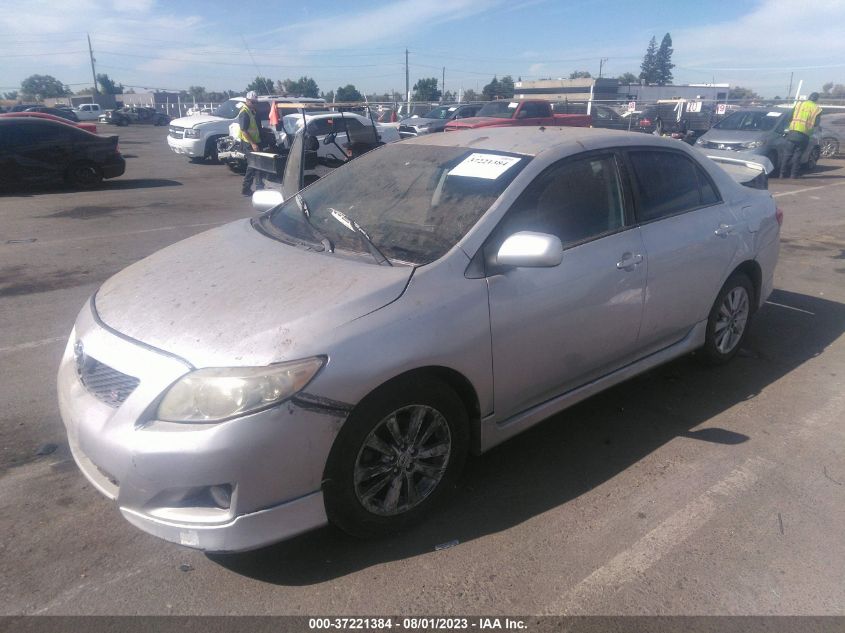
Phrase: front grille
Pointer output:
(733, 147)
(104, 383)
(177, 132)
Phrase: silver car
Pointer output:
(337, 357)
(759, 131)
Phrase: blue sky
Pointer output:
(167, 44)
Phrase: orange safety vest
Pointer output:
(804, 117)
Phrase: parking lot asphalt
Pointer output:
(683, 491)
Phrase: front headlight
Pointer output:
(753, 144)
(700, 141)
(192, 132)
(219, 393)
(422, 129)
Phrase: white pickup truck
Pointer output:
(196, 136)
(89, 111)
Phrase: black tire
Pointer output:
(360, 486)
(196, 159)
(812, 159)
(237, 167)
(84, 175)
(211, 150)
(720, 346)
(122, 122)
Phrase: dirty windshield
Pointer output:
(499, 109)
(413, 201)
(228, 109)
(751, 121)
(442, 112)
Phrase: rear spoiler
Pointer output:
(751, 170)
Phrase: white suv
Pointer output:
(196, 136)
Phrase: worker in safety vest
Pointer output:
(805, 117)
(250, 137)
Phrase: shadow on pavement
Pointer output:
(140, 183)
(574, 451)
(58, 187)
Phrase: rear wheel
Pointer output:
(658, 127)
(84, 175)
(729, 320)
(396, 456)
(211, 150)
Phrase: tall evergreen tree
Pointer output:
(648, 69)
(663, 62)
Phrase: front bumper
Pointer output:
(114, 168)
(193, 147)
(160, 474)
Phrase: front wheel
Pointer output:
(813, 158)
(729, 320)
(396, 456)
(830, 147)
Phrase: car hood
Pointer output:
(715, 135)
(419, 121)
(233, 297)
(477, 121)
(193, 121)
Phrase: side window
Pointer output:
(668, 183)
(576, 200)
(533, 111)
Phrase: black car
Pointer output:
(41, 150)
(689, 119)
(64, 113)
(136, 114)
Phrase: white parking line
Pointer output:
(646, 552)
(792, 193)
(32, 344)
(138, 232)
(780, 305)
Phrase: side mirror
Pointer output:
(329, 138)
(527, 249)
(266, 199)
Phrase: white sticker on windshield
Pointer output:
(489, 166)
(513, 105)
(453, 108)
(774, 113)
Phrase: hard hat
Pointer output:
(251, 95)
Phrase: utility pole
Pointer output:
(443, 87)
(602, 60)
(93, 72)
(789, 90)
(407, 82)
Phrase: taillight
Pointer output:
(779, 215)
(645, 122)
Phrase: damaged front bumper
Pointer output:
(230, 486)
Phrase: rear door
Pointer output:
(554, 329)
(691, 237)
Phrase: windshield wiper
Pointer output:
(352, 225)
(303, 206)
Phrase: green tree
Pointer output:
(628, 78)
(302, 87)
(648, 69)
(663, 61)
(11, 95)
(449, 97)
(198, 92)
(506, 87)
(328, 96)
(261, 85)
(426, 90)
(738, 93)
(491, 90)
(107, 86)
(348, 93)
(471, 95)
(43, 86)
(580, 74)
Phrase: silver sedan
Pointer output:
(337, 357)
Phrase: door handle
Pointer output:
(628, 261)
(724, 230)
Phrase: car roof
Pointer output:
(532, 141)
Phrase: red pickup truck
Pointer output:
(527, 112)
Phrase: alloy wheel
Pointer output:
(403, 460)
(732, 319)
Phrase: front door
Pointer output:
(554, 329)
